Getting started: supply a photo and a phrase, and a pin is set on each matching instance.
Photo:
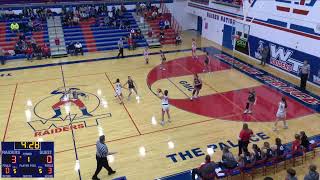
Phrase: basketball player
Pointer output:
(206, 63)
(197, 85)
(281, 113)
(194, 49)
(163, 60)
(146, 55)
(131, 87)
(165, 104)
(251, 101)
(119, 91)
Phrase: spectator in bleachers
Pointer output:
(206, 170)
(244, 138)
(29, 53)
(154, 15)
(78, 48)
(107, 21)
(123, 8)
(291, 174)
(130, 42)
(20, 47)
(296, 145)
(33, 42)
(139, 34)
(57, 41)
(228, 160)
(150, 33)
(46, 51)
(71, 48)
(161, 24)
(75, 20)
(2, 56)
(38, 52)
(14, 26)
(161, 36)
(312, 174)
(167, 24)
(304, 140)
(178, 39)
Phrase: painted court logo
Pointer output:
(66, 109)
(300, 7)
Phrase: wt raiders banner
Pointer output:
(285, 58)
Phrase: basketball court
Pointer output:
(145, 149)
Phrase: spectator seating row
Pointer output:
(8, 39)
(96, 38)
(263, 167)
(170, 35)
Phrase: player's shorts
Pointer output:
(118, 92)
(194, 50)
(198, 86)
(131, 88)
(165, 107)
(280, 115)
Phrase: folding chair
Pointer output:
(271, 163)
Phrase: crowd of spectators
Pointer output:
(109, 18)
(31, 48)
(248, 158)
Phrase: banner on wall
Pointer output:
(285, 58)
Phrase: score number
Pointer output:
(48, 159)
(27, 145)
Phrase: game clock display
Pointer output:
(27, 159)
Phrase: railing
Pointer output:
(174, 23)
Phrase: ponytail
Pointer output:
(285, 102)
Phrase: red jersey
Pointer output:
(45, 49)
(29, 50)
(245, 135)
(295, 145)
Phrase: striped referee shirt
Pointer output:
(102, 149)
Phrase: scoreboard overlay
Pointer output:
(27, 159)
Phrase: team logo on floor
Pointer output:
(66, 109)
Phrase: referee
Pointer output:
(120, 46)
(101, 156)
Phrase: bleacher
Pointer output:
(9, 39)
(95, 38)
(170, 34)
(270, 166)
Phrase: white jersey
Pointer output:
(194, 46)
(165, 103)
(146, 54)
(118, 89)
(281, 110)
(165, 100)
